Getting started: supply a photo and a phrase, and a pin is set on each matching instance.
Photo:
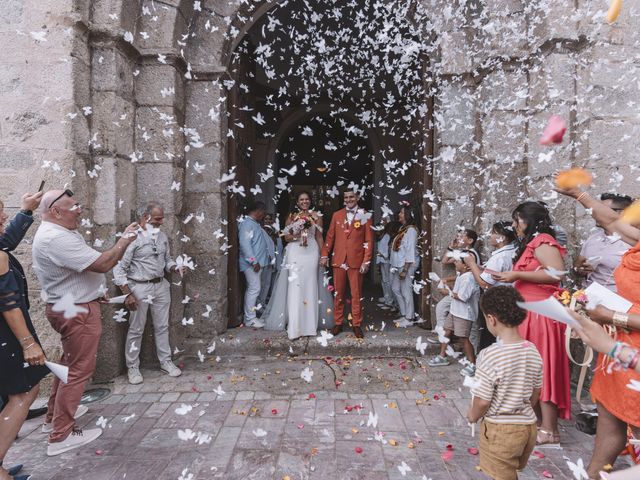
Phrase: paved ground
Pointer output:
(255, 417)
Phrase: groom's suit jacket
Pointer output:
(351, 244)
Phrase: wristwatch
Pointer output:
(27, 212)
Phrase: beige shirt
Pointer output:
(60, 259)
(506, 376)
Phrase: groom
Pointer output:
(351, 239)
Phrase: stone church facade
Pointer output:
(119, 99)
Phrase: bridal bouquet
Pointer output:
(300, 226)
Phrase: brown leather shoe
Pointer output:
(357, 331)
(336, 330)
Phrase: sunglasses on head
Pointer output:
(66, 192)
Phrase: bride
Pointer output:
(300, 300)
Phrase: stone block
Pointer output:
(609, 89)
(613, 141)
(505, 36)
(201, 234)
(455, 173)
(115, 16)
(558, 22)
(113, 121)
(28, 124)
(12, 12)
(163, 27)
(503, 137)
(207, 53)
(158, 135)
(455, 113)
(502, 190)
(451, 215)
(104, 207)
(553, 80)
(160, 85)
(154, 180)
(12, 78)
(204, 111)
(112, 71)
(205, 166)
(455, 53)
(504, 90)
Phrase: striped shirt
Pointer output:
(506, 376)
(60, 259)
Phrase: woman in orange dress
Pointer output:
(537, 274)
(618, 405)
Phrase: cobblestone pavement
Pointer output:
(255, 417)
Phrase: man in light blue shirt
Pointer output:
(254, 256)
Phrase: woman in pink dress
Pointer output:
(536, 275)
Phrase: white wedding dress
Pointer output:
(300, 300)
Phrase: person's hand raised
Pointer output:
(572, 192)
(131, 232)
(31, 201)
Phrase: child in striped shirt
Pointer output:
(506, 388)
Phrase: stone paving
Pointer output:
(255, 417)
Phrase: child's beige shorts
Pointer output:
(505, 448)
(461, 327)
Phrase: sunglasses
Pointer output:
(66, 192)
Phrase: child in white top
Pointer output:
(464, 311)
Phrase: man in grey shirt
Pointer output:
(140, 276)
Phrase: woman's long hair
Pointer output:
(538, 221)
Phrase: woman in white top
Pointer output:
(404, 261)
(503, 241)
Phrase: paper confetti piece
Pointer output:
(614, 10)
(554, 131)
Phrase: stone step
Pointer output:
(248, 341)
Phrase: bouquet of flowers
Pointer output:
(576, 301)
(300, 226)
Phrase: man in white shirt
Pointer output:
(72, 277)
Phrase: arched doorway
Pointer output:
(305, 115)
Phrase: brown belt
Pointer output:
(153, 280)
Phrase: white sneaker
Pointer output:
(76, 439)
(254, 323)
(468, 371)
(80, 411)
(135, 377)
(404, 323)
(170, 369)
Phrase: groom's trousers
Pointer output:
(340, 277)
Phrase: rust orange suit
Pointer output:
(352, 246)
